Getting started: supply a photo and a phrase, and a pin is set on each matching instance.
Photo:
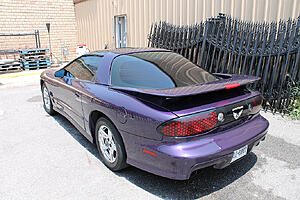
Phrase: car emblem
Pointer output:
(237, 112)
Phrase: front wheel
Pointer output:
(110, 145)
(48, 106)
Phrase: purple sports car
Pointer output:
(156, 110)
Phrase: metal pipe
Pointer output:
(17, 34)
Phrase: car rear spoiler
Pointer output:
(227, 81)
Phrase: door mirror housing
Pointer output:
(60, 73)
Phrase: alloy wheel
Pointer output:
(107, 144)
(46, 98)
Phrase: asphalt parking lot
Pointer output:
(44, 157)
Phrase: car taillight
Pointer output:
(202, 122)
(256, 104)
(190, 125)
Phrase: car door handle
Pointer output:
(77, 94)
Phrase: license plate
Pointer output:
(239, 153)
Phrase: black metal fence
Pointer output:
(223, 44)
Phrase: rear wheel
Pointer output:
(110, 145)
(48, 106)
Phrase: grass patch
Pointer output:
(295, 110)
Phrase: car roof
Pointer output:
(126, 50)
(103, 74)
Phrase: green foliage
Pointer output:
(295, 110)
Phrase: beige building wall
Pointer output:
(95, 17)
(26, 16)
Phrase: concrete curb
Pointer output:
(20, 74)
(26, 73)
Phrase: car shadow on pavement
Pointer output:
(203, 182)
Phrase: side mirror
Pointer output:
(60, 73)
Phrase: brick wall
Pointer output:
(27, 16)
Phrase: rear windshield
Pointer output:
(157, 70)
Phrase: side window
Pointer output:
(84, 68)
(92, 62)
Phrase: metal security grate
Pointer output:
(223, 44)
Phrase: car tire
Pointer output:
(110, 145)
(47, 102)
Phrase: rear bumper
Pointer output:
(178, 159)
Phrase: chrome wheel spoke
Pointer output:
(111, 154)
(103, 134)
(102, 141)
(113, 147)
(109, 135)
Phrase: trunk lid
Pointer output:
(203, 108)
(230, 89)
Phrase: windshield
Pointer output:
(157, 70)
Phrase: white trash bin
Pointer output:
(81, 49)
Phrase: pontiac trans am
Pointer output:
(156, 110)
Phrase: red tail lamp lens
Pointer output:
(257, 104)
(257, 101)
(190, 125)
(231, 85)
